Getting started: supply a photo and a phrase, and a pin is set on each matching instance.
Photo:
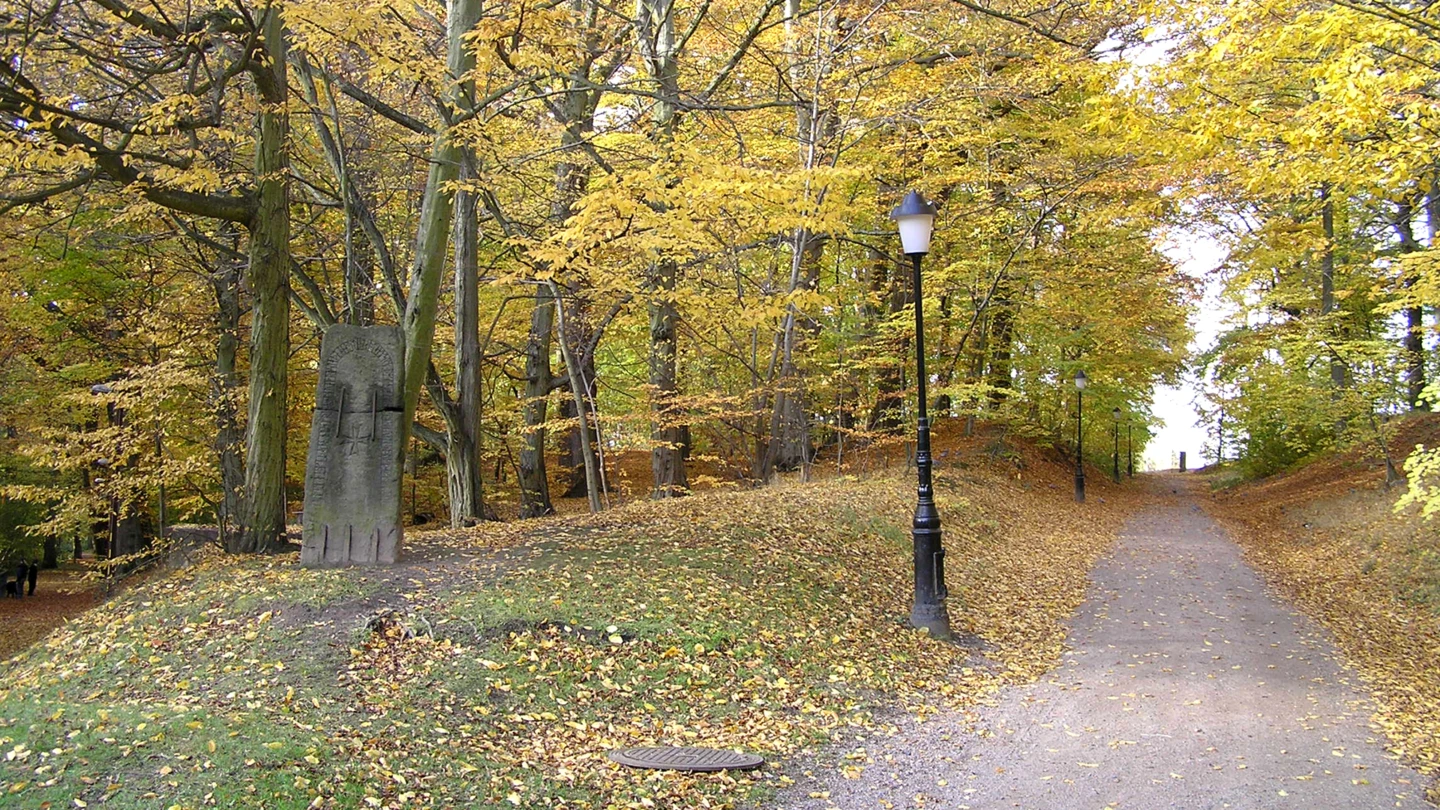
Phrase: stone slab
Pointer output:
(354, 469)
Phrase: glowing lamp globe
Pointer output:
(915, 219)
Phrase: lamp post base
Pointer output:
(933, 618)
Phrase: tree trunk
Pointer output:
(263, 527)
(580, 394)
(359, 254)
(127, 503)
(223, 389)
(668, 443)
(1327, 282)
(534, 486)
(571, 456)
(1414, 340)
(789, 446)
(577, 332)
(889, 387)
(1001, 338)
(576, 112)
(462, 454)
(656, 34)
(437, 209)
(943, 402)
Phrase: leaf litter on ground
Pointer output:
(1327, 537)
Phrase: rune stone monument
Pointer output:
(353, 471)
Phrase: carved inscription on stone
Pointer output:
(353, 471)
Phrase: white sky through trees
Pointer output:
(1198, 254)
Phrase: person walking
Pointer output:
(33, 575)
(20, 571)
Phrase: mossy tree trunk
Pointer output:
(262, 528)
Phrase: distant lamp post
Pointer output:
(1080, 381)
(1116, 413)
(1130, 445)
(915, 219)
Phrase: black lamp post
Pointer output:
(1080, 380)
(1130, 445)
(915, 219)
(1116, 413)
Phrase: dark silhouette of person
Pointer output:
(31, 576)
(20, 571)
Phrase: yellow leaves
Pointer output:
(1219, 49)
(1309, 78)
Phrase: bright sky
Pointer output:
(1197, 254)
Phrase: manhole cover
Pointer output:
(686, 759)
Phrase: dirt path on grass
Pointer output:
(59, 595)
(1186, 685)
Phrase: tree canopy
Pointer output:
(661, 231)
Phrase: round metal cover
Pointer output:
(686, 759)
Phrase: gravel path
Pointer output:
(1186, 685)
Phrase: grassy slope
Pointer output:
(1326, 536)
(497, 666)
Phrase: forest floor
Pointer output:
(1185, 683)
(498, 665)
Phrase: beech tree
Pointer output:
(102, 91)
